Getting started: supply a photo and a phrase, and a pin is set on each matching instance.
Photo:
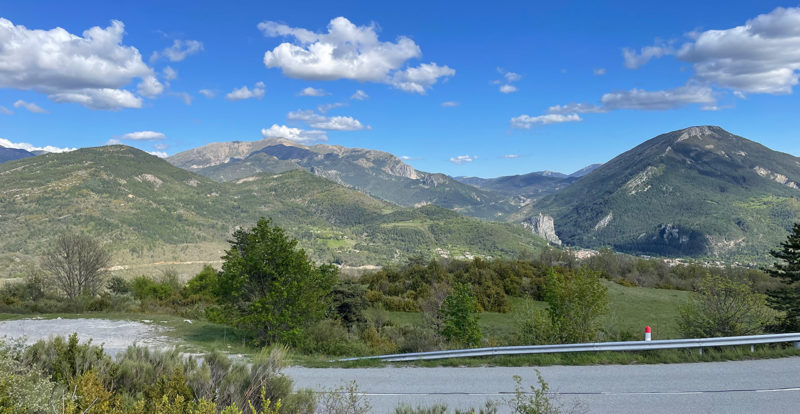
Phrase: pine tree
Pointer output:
(787, 269)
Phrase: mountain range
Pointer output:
(379, 174)
(148, 211)
(697, 192)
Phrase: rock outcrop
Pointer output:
(542, 226)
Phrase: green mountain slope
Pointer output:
(376, 173)
(700, 191)
(148, 211)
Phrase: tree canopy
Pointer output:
(269, 287)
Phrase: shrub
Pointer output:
(460, 317)
(724, 307)
(576, 299)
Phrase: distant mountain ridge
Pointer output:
(11, 154)
(532, 185)
(373, 172)
(699, 191)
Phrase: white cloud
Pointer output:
(169, 73)
(420, 78)
(209, 94)
(449, 104)
(334, 123)
(761, 56)
(634, 60)
(30, 147)
(5, 111)
(599, 71)
(113, 141)
(179, 50)
(90, 69)
(461, 159)
(159, 154)
(245, 93)
(580, 108)
(348, 51)
(511, 156)
(144, 136)
(150, 87)
(294, 134)
(526, 121)
(185, 97)
(507, 88)
(360, 95)
(408, 158)
(160, 146)
(30, 106)
(327, 107)
(309, 91)
(506, 83)
(658, 100)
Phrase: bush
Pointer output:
(724, 307)
(576, 299)
(460, 320)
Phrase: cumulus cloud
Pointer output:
(506, 83)
(635, 60)
(761, 56)
(179, 50)
(526, 121)
(246, 93)
(159, 154)
(508, 88)
(461, 159)
(658, 100)
(209, 94)
(30, 147)
(91, 69)
(30, 106)
(334, 123)
(143, 136)
(421, 78)
(449, 104)
(309, 91)
(348, 51)
(294, 134)
(637, 99)
(360, 95)
(169, 73)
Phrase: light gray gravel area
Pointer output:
(763, 386)
(115, 336)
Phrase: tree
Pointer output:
(787, 270)
(724, 307)
(461, 317)
(269, 287)
(77, 263)
(576, 298)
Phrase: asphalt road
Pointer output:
(765, 386)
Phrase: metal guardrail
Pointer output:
(592, 347)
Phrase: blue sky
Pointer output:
(486, 90)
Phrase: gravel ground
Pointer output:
(115, 336)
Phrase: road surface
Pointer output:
(764, 386)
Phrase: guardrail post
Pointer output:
(701, 350)
(797, 345)
(752, 348)
(647, 333)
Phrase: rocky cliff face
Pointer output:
(544, 227)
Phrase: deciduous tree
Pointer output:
(77, 263)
